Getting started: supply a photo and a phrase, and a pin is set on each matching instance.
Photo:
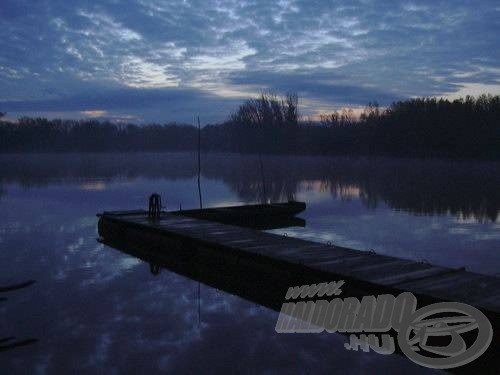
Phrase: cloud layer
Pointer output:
(164, 60)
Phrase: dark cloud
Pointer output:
(330, 87)
(146, 104)
(160, 58)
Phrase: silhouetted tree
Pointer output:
(267, 123)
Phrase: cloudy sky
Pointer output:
(152, 60)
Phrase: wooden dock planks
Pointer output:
(440, 283)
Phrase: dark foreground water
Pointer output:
(96, 309)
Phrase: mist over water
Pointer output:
(93, 307)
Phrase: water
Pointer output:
(94, 308)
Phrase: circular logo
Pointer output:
(414, 334)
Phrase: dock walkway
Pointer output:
(333, 262)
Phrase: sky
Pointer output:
(161, 61)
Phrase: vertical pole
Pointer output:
(199, 304)
(201, 206)
(263, 180)
(199, 162)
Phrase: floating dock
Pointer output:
(286, 258)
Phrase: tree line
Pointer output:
(424, 127)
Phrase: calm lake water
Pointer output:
(96, 309)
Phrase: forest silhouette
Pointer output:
(425, 127)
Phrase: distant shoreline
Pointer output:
(373, 157)
(466, 128)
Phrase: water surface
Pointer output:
(94, 308)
